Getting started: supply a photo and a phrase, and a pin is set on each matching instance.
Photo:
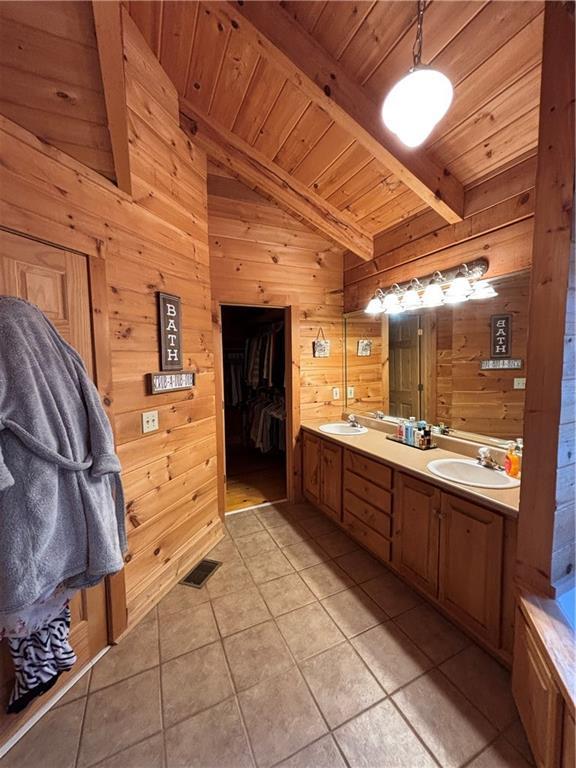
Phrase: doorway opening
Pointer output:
(255, 433)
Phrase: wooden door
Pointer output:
(537, 697)
(471, 550)
(311, 467)
(404, 365)
(416, 532)
(57, 282)
(331, 479)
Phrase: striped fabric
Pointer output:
(39, 659)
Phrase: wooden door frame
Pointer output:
(292, 365)
(115, 585)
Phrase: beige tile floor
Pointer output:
(303, 652)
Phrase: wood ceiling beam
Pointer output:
(279, 38)
(108, 25)
(253, 168)
(508, 212)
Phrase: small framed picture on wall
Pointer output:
(364, 348)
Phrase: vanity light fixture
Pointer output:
(375, 306)
(411, 298)
(454, 286)
(392, 301)
(460, 288)
(483, 290)
(433, 293)
(420, 99)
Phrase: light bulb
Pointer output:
(392, 305)
(483, 290)
(459, 290)
(411, 298)
(374, 306)
(416, 104)
(433, 294)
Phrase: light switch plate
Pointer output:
(149, 421)
(350, 393)
(520, 383)
(335, 393)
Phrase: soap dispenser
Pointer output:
(512, 460)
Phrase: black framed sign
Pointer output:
(501, 336)
(170, 315)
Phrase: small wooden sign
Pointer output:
(170, 332)
(501, 365)
(364, 347)
(501, 336)
(170, 382)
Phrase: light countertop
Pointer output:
(374, 444)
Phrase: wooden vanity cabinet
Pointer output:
(470, 572)
(311, 450)
(537, 697)
(322, 474)
(417, 531)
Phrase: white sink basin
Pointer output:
(469, 472)
(342, 428)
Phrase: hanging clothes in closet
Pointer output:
(254, 388)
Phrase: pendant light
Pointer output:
(420, 99)
(483, 290)
(375, 305)
(392, 303)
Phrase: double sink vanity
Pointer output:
(452, 539)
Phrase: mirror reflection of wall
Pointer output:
(427, 364)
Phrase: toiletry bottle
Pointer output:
(400, 429)
(511, 460)
(519, 451)
(412, 431)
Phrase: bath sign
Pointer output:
(501, 336)
(170, 332)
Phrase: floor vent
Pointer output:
(199, 575)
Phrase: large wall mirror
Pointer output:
(462, 365)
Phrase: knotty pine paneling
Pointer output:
(155, 240)
(469, 399)
(262, 256)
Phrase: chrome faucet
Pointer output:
(353, 421)
(485, 458)
(380, 415)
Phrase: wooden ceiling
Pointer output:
(50, 79)
(239, 87)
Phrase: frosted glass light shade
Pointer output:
(416, 104)
(411, 299)
(392, 305)
(459, 290)
(483, 290)
(433, 295)
(374, 306)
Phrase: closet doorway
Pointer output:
(255, 398)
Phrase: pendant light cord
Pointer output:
(417, 49)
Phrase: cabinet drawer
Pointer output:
(367, 491)
(366, 536)
(371, 470)
(375, 518)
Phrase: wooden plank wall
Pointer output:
(261, 256)
(469, 399)
(50, 80)
(156, 241)
(366, 374)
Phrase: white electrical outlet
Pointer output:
(350, 393)
(149, 421)
(335, 393)
(520, 383)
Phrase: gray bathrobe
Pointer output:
(61, 501)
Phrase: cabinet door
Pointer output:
(331, 479)
(537, 697)
(471, 545)
(416, 532)
(311, 467)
